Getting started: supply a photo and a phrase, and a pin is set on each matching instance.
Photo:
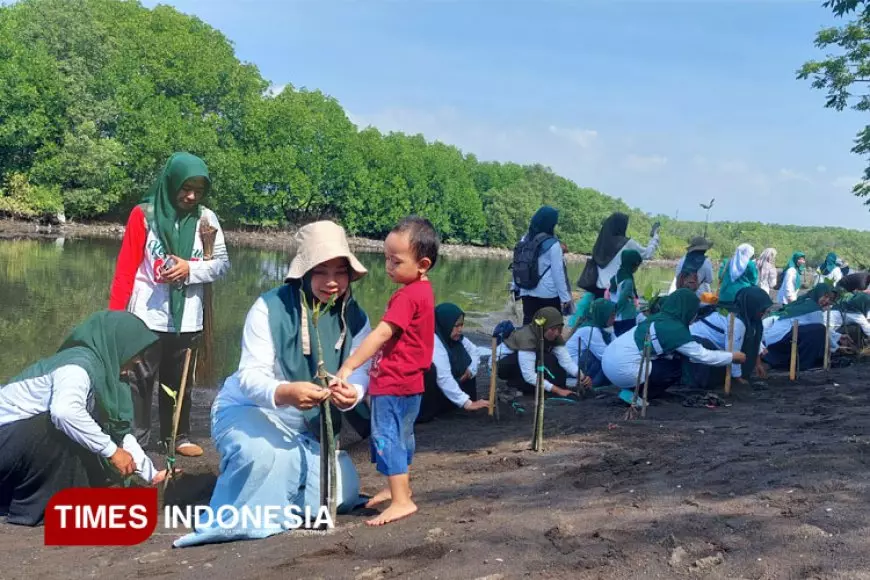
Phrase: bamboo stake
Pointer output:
(176, 416)
(645, 354)
(731, 350)
(792, 373)
(647, 366)
(204, 368)
(828, 341)
(492, 376)
(538, 436)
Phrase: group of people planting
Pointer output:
(312, 362)
(687, 332)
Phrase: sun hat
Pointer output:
(698, 243)
(319, 242)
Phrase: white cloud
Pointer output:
(792, 175)
(645, 162)
(582, 137)
(275, 90)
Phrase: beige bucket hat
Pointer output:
(320, 242)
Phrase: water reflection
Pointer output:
(47, 287)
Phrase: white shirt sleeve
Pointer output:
(646, 253)
(444, 376)
(360, 377)
(207, 271)
(257, 380)
(471, 349)
(144, 466)
(705, 276)
(855, 318)
(558, 274)
(565, 361)
(739, 333)
(68, 409)
(526, 360)
(699, 354)
(790, 285)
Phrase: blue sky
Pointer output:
(664, 104)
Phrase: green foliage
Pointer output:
(840, 72)
(96, 94)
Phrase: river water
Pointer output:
(47, 287)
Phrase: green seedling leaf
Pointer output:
(172, 394)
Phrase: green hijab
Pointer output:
(528, 337)
(446, 316)
(336, 328)
(175, 229)
(671, 322)
(748, 305)
(101, 345)
(859, 303)
(793, 263)
(806, 304)
(631, 259)
(599, 316)
(830, 263)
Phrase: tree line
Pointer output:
(95, 95)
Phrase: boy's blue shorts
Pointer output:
(392, 438)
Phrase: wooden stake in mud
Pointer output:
(730, 349)
(645, 354)
(204, 369)
(538, 435)
(792, 373)
(176, 416)
(493, 377)
(828, 341)
(647, 368)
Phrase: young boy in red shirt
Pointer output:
(402, 345)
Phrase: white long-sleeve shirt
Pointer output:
(788, 292)
(720, 339)
(444, 376)
(553, 283)
(259, 374)
(529, 372)
(838, 320)
(705, 276)
(776, 329)
(65, 393)
(580, 342)
(609, 271)
(622, 358)
(835, 275)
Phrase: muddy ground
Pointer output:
(773, 486)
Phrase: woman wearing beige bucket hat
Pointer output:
(695, 264)
(265, 418)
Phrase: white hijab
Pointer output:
(740, 261)
(768, 256)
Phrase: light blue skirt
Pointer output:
(265, 463)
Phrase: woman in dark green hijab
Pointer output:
(808, 310)
(66, 420)
(173, 249)
(451, 381)
(588, 344)
(792, 276)
(623, 292)
(670, 342)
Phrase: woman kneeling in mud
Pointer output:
(265, 418)
(670, 340)
(519, 357)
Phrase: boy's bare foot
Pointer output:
(393, 513)
(382, 496)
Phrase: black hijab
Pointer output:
(611, 239)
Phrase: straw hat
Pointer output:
(320, 242)
(698, 243)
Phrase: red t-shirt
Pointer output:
(397, 369)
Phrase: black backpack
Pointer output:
(525, 264)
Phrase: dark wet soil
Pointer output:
(774, 485)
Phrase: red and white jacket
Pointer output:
(138, 288)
